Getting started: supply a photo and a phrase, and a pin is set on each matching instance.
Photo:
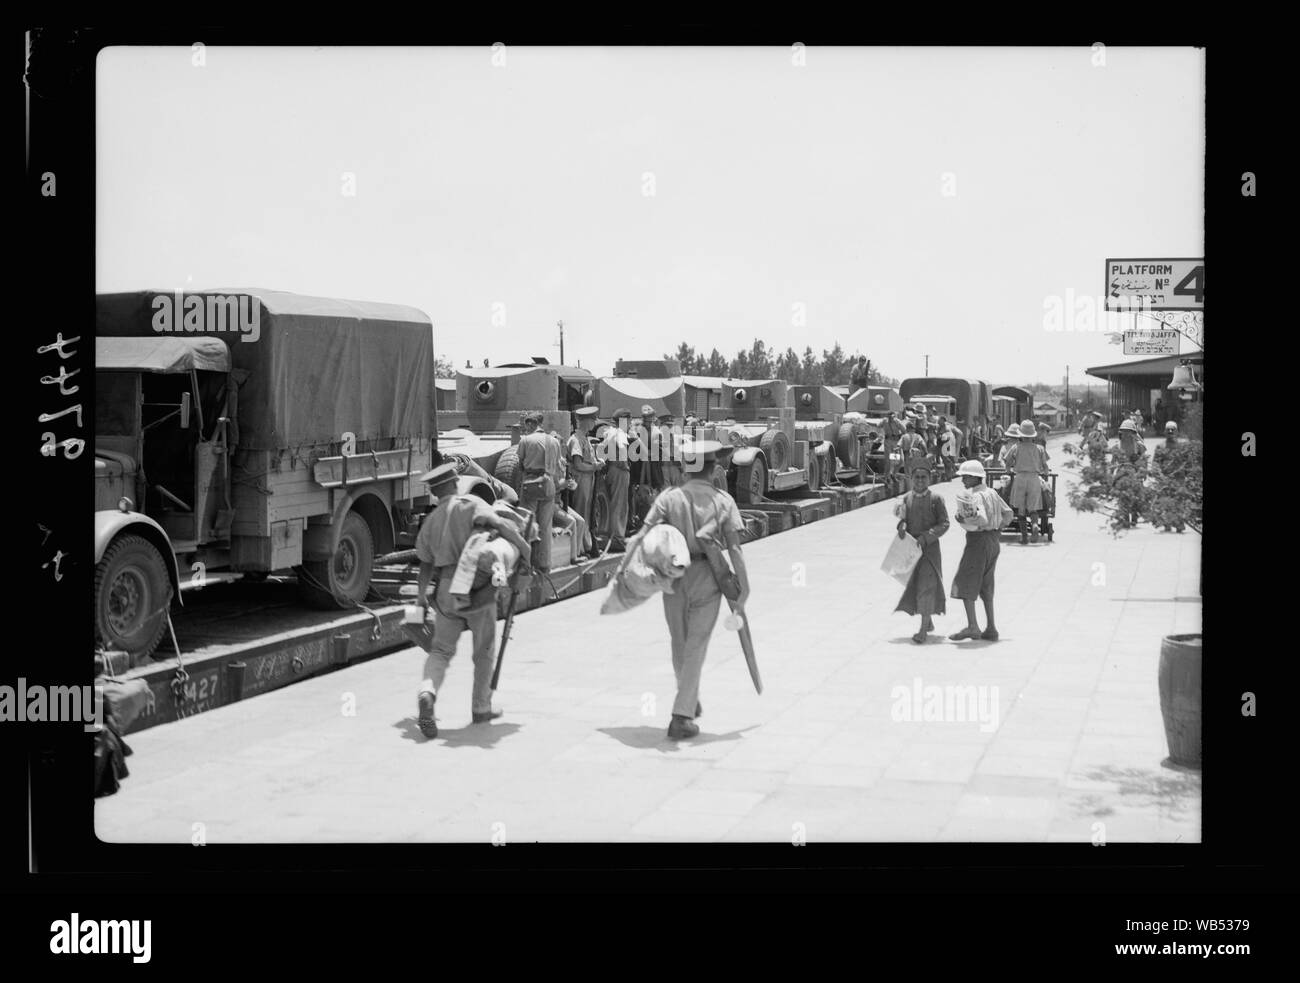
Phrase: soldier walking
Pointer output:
(442, 538)
(700, 512)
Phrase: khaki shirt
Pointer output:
(539, 452)
(698, 505)
(448, 527)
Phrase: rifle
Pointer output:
(510, 609)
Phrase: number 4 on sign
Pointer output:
(1185, 286)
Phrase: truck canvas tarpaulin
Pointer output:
(316, 368)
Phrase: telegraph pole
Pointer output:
(927, 365)
(1067, 395)
(561, 325)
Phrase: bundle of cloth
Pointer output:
(978, 511)
(659, 558)
(487, 558)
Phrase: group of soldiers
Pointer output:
(607, 451)
(921, 437)
(688, 501)
(1128, 449)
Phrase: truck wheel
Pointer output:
(846, 446)
(132, 593)
(600, 508)
(344, 577)
(814, 471)
(508, 470)
(775, 446)
(719, 478)
(751, 481)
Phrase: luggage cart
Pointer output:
(995, 478)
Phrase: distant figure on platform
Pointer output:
(439, 545)
(1171, 434)
(923, 515)
(698, 511)
(582, 463)
(1027, 462)
(892, 431)
(982, 514)
(539, 456)
(1096, 443)
(912, 446)
(946, 445)
(669, 449)
(615, 450)
(1131, 450)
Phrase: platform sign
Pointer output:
(1151, 343)
(1155, 284)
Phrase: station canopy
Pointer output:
(1147, 373)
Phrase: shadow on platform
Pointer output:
(1172, 794)
(656, 738)
(472, 735)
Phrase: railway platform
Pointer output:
(1051, 734)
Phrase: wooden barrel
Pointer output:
(1180, 697)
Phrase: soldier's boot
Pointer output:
(682, 728)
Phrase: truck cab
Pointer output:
(163, 412)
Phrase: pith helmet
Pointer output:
(1127, 425)
(972, 468)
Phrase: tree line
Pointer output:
(831, 368)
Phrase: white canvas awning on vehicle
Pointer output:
(162, 354)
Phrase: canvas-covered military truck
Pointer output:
(253, 431)
(1011, 404)
(966, 402)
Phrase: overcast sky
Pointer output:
(803, 204)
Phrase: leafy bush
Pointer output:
(1164, 490)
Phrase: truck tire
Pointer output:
(814, 470)
(600, 509)
(719, 477)
(508, 470)
(344, 577)
(751, 482)
(775, 446)
(132, 594)
(846, 446)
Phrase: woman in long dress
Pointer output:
(923, 515)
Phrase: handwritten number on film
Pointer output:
(50, 444)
